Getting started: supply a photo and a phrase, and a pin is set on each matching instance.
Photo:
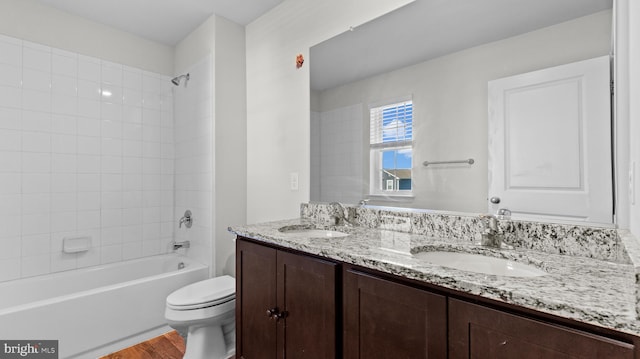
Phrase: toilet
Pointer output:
(204, 312)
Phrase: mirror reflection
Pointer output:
(412, 88)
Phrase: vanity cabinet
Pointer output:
(293, 305)
(479, 332)
(384, 319)
(285, 304)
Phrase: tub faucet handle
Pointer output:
(186, 219)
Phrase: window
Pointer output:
(391, 153)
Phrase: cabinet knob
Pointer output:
(503, 342)
(276, 314)
(273, 313)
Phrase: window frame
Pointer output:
(377, 146)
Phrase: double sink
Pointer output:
(469, 262)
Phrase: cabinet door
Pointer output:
(255, 294)
(479, 332)
(307, 294)
(383, 319)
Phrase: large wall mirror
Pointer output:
(440, 56)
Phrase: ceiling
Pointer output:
(163, 21)
(426, 29)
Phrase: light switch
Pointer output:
(293, 179)
(632, 183)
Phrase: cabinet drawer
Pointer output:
(479, 332)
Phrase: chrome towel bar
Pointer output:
(427, 163)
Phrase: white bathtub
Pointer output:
(95, 310)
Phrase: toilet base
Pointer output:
(206, 342)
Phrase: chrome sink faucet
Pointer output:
(491, 234)
(339, 214)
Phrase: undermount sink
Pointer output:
(306, 232)
(478, 263)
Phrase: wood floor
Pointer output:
(167, 346)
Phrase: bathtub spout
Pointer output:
(178, 245)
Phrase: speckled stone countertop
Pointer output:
(584, 288)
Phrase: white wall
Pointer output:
(31, 20)
(225, 129)
(86, 149)
(230, 152)
(634, 109)
(278, 138)
(450, 107)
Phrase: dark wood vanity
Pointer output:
(291, 304)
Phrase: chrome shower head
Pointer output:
(176, 80)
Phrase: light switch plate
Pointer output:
(632, 183)
(293, 179)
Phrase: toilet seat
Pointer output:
(203, 294)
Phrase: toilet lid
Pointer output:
(204, 293)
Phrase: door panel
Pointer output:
(550, 143)
(255, 294)
(383, 319)
(307, 293)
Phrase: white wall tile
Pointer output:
(64, 124)
(36, 244)
(64, 63)
(89, 89)
(62, 261)
(88, 108)
(11, 53)
(36, 100)
(36, 162)
(64, 163)
(64, 144)
(10, 75)
(112, 73)
(10, 118)
(110, 254)
(36, 57)
(88, 126)
(10, 204)
(10, 96)
(64, 85)
(82, 153)
(63, 104)
(35, 265)
(88, 68)
(36, 183)
(88, 219)
(38, 223)
(36, 80)
(88, 201)
(36, 142)
(64, 202)
(63, 182)
(89, 145)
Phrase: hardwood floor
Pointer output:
(167, 346)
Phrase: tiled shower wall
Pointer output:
(194, 159)
(86, 149)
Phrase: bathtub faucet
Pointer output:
(187, 220)
(183, 244)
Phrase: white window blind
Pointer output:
(391, 125)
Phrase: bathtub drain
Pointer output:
(181, 265)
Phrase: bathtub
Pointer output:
(96, 310)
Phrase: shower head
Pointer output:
(176, 80)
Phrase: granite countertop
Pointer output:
(598, 292)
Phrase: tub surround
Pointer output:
(592, 271)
